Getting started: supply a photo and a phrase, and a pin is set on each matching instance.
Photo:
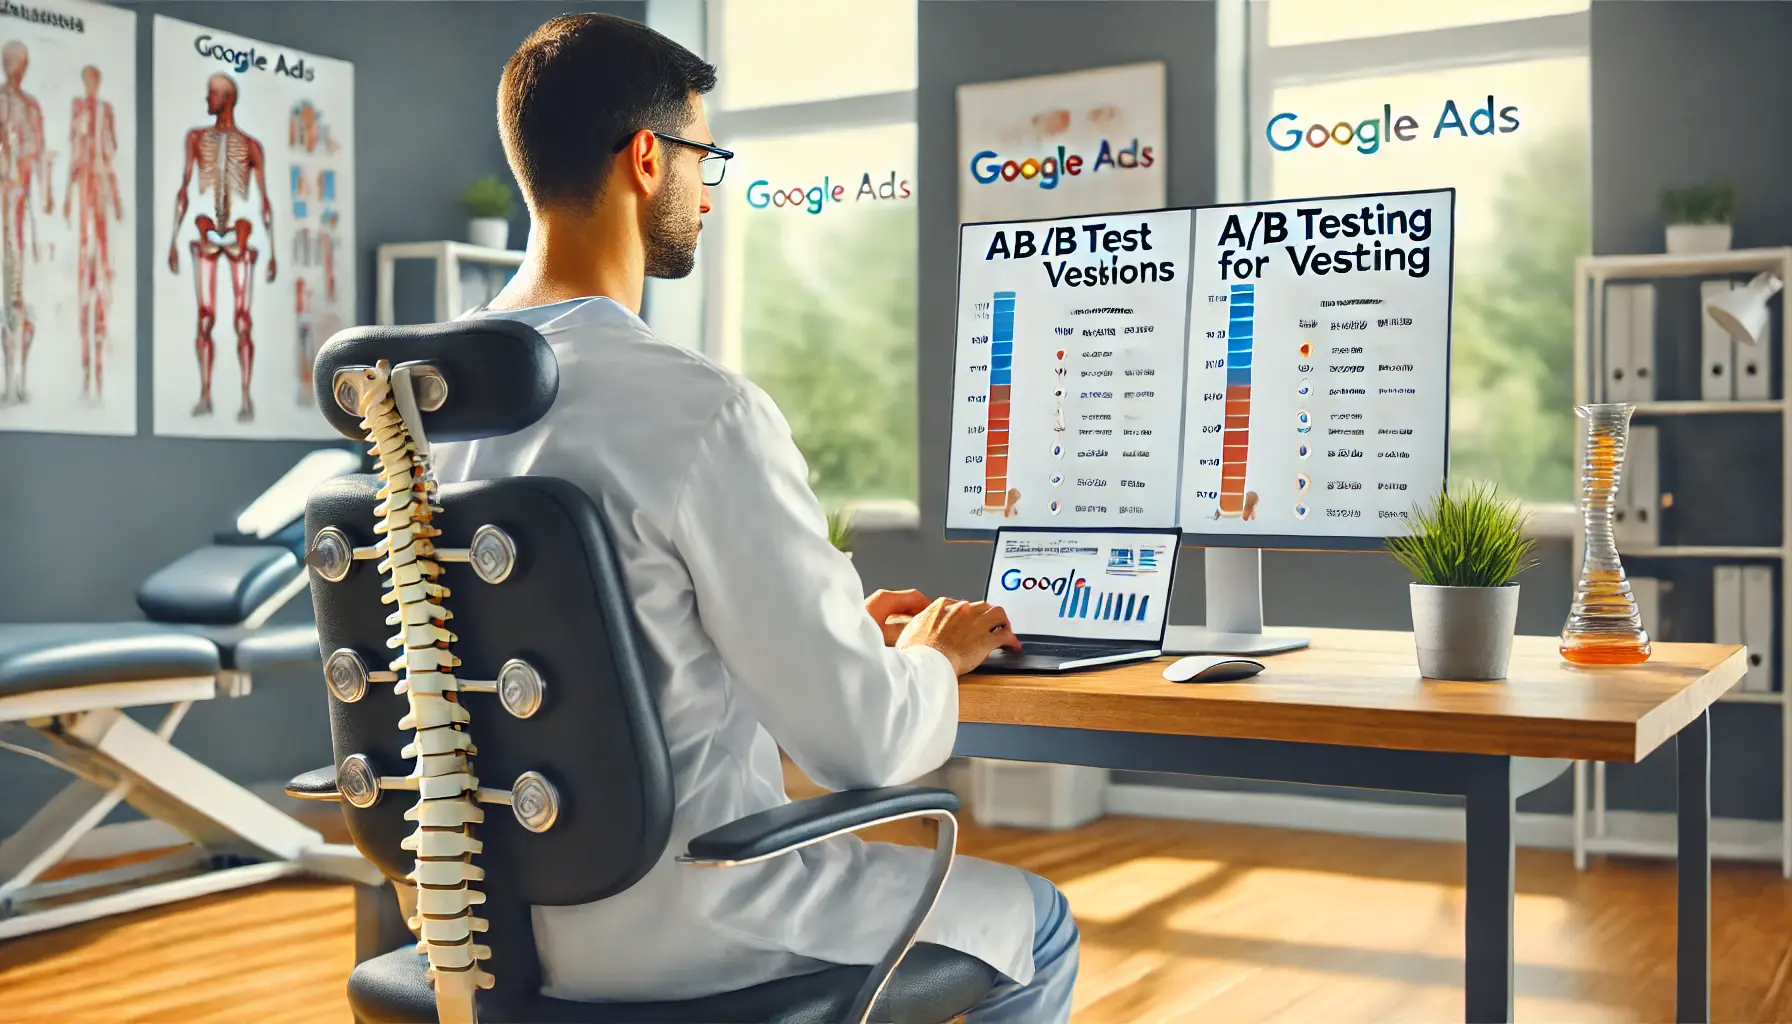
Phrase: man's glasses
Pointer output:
(711, 167)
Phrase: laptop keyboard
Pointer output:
(1047, 649)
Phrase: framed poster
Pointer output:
(68, 219)
(1063, 145)
(254, 159)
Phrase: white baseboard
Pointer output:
(1640, 833)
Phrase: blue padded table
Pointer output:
(1352, 710)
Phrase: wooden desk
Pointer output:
(1352, 710)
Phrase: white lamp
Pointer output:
(1743, 311)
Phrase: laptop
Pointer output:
(1078, 598)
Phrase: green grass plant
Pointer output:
(1469, 539)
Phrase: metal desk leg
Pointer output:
(1693, 991)
(1487, 988)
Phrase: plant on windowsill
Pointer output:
(1699, 217)
(1464, 551)
(840, 530)
(489, 202)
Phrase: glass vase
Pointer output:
(1603, 627)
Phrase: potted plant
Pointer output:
(1699, 217)
(840, 530)
(489, 202)
(1463, 553)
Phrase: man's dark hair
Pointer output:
(578, 85)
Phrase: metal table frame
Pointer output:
(1483, 781)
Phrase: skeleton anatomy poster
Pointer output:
(68, 218)
(254, 255)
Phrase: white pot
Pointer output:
(1464, 633)
(489, 232)
(1687, 239)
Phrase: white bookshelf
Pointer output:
(1591, 275)
(449, 259)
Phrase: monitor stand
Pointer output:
(1234, 610)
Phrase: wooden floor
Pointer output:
(1180, 922)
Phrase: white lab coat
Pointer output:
(758, 638)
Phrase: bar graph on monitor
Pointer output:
(1236, 439)
(1001, 389)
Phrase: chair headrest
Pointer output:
(501, 375)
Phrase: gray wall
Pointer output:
(426, 77)
(1728, 91)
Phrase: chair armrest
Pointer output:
(781, 830)
(795, 825)
(318, 784)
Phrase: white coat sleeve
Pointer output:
(786, 612)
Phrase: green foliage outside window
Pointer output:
(828, 330)
(1512, 388)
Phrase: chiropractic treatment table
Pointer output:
(204, 637)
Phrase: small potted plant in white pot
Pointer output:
(840, 530)
(1464, 552)
(488, 201)
(1699, 218)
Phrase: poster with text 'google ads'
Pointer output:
(1267, 370)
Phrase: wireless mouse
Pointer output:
(1211, 669)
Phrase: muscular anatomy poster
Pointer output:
(254, 257)
(68, 218)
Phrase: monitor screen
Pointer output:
(1318, 395)
(1267, 374)
(1085, 584)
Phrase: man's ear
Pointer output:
(644, 161)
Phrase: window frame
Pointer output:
(738, 128)
(1249, 70)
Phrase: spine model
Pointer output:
(447, 788)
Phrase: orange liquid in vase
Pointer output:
(1603, 627)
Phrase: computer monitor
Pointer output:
(1258, 375)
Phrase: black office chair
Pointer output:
(544, 707)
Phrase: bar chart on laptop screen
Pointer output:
(1067, 400)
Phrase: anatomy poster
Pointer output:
(254, 256)
(68, 218)
(1063, 145)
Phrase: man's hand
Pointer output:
(885, 603)
(964, 631)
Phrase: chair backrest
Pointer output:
(480, 649)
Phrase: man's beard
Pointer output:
(671, 233)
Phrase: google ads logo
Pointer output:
(762, 194)
(988, 167)
(1013, 580)
(1368, 134)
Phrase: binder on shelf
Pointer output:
(1757, 627)
(1636, 521)
(1619, 312)
(1726, 604)
(1642, 343)
(1717, 351)
(1754, 368)
(1647, 592)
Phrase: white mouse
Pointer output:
(1209, 669)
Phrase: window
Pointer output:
(813, 234)
(1523, 196)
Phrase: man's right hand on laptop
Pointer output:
(964, 631)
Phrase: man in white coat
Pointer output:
(757, 629)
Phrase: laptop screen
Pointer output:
(1084, 584)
